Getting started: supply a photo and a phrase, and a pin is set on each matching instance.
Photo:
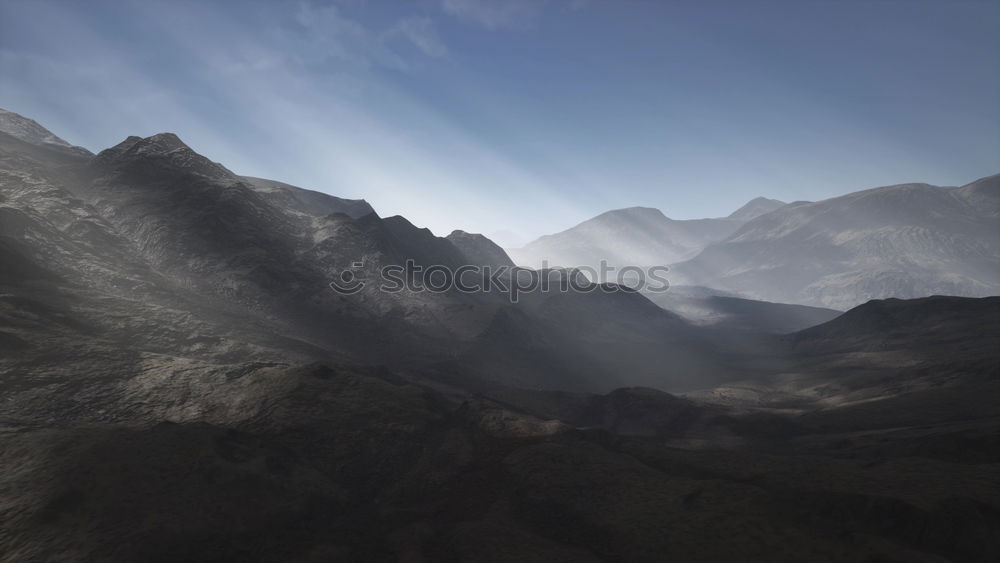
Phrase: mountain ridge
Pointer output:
(756, 207)
(632, 236)
(30, 131)
(154, 220)
(905, 240)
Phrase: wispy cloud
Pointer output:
(421, 32)
(330, 34)
(496, 14)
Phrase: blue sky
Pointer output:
(528, 116)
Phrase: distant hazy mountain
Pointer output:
(29, 131)
(755, 208)
(636, 236)
(905, 241)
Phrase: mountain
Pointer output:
(914, 324)
(636, 236)
(892, 361)
(29, 131)
(755, 208)
(307, 201)
(909, 240)
(150, 227)
(594, 340)
(479, 250)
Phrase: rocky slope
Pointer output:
(29, 131)
(311, 202)
(150, 221)
(480, 250)
(892, 362)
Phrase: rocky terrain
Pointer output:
(30, 131)
(180, 383)
(480, 250)
(292, 198)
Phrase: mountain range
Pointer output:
(636, 236)
(181, 383)
(906, 241)
(153, 228)
(910, 240)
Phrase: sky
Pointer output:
(524, 117)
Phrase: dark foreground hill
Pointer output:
(708, 307)
(323, 463)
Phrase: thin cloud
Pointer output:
(331, 35)
(496, 14)
(422, 33)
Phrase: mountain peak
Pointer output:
(755, 208)
(29, 131)
(166, 147)
(633, 213)
(159, 143)
(166, 141)
(984, 193)
(478, 249)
